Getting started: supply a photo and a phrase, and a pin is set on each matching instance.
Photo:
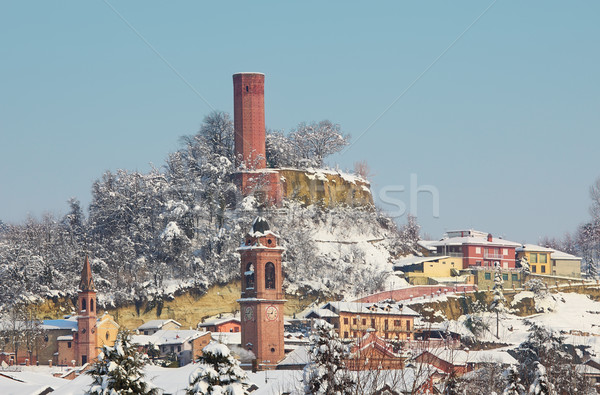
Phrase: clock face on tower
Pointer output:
(249, 313)
(271, 312)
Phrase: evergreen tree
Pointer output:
(540, 386)
(118, 370)
(498, 302)
(326, 372)
(218, 373)
(513, 386)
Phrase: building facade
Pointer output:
(261, 302)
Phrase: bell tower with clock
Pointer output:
(261, 302)
(85, 338)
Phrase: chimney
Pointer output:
(249, 119)
(489, 237)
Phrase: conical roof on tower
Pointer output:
(87, 282)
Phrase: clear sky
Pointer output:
(501, 114)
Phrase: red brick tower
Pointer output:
(249, 125)
(261, 304)
(85, 338)
(249, 119)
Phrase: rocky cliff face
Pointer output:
(326, 188)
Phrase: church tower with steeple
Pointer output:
(85, 339)
(261, 302)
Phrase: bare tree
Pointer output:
(316, 141)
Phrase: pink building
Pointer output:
(476, 248)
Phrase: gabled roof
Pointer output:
(554, 254)
(168, 337)
(474, 240)
(156, 324)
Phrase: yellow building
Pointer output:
(106, 331)
(538, 258)
(354, 320)
(420, 270)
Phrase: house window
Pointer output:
(543, 269)
(364, 321)
(178, 348)
(478, 250)
(236, 329)
(533, 258)
(386, 324)
(553, 263)
(397, 323)
(533, 269)
(249, 276)
(543, 258)
(172, 348)
(107, 336)
(345, 335)
(83, 305)
(505, 251)
(68, 344)
(488, 276)
(346, 320)
(372, 322)
(270, 275)
(354, 321)
(145, 332)
(91, 304)
(478, 263)
(505, 276)
(515, 277)
(407, 325)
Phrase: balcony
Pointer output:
(489, 255)
(452, 254)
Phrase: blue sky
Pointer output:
(504, 125)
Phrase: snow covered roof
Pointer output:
(427, 244)
(563, 255)
(228, 338)
(476, 240)
(297, 357)
(413, 260)
(167, 337)
(156, 324)
(371, 308)
(533, 248)
(555, 254)
(322, 313)
(64, 338)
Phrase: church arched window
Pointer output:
(92, 305)
(83, 305)
(249, 276)
(270, 275)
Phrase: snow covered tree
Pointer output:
(540, 386)
(280, 150)
(326, 372)
(118, 370)
(218, 373)
(525, 268)
(217, 130)
(513, 382)
(499, 301)
(315, 141)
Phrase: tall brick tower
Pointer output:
(85, 338)
(249, 119)
(261, 304)
(249, 125)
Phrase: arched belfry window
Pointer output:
(249, 276)
(83, 305)
(270, 275)
(91, 305)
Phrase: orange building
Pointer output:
(231, 324)
(353, 320)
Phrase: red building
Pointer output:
(477, 249)
(222, 325)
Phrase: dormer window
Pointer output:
(269, 241)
